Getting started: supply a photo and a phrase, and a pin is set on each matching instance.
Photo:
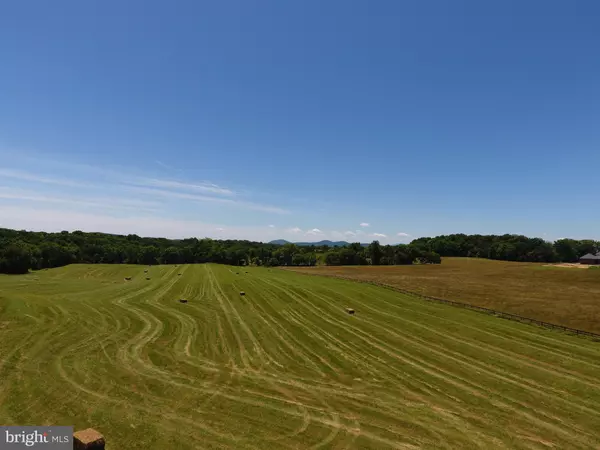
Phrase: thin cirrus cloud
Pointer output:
(119, 181)
(176, 189)
(103, 199)
(27, 176)
(9, 193)
(403, 234)
(380, 235)
(119, 184)
(203, 198)
(314, 232)
(50, 219)
(365, 224)
(170, 184)
(166, 166)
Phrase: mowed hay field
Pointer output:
(283, 366)
(562, 295)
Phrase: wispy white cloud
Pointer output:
(171, 184)
(117, 178)
(162, 164)
(314, 232)
(403, 234)
(109, 180)
(9, 193)
(52, 195)
(53, 219)
(123, 215)
(27, 176)
(365, 224)
(203, 198)
(166, 166)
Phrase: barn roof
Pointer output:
(590, 256)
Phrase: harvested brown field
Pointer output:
(552, 294)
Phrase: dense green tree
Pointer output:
(386, 261)
(273, 262)
(55, 255)
(148, 254)
(112, 255)
(15, 258)
(506, 247)
(347, 256)
(402, 255)
(21, 250)
(542, 252)
(356, 247)
(566, 250)
(503, 250)
(299, 260)
(586, 246)
(170, 255)
(375, 252)
(429, 258)
(332, 258)
(311, 259)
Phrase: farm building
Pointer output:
(590, 259)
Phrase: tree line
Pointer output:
(21, 251)
(509, 247)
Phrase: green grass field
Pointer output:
(564, 296)
(283, 366)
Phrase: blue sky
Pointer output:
(301, 120)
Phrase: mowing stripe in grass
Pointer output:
(283, 366)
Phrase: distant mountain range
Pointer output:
(308, 244)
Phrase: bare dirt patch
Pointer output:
(571, 265)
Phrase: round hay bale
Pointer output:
(127, 278)
(242, 293)
(183, 300)
(147, 278)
